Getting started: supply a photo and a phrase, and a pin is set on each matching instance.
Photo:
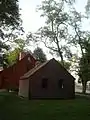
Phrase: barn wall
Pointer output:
(12, 74)
(54, 72)
(23, 88)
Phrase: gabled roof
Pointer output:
(33, 70)
(36, 68)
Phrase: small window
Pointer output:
(44, 82)
(60, 83)
(29, 59)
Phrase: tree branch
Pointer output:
(51, 48)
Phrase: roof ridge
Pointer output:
(33, 70)
(36, 68)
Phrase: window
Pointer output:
(29, 59)
(44, 82)
(60, 83)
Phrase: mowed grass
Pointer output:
(14, 108)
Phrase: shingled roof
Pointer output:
(33, 70)
(37, 67)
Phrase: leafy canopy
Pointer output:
(39, 54)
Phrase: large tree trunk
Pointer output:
(84, 87)
(59, 51)
(57, 43)
(61, 56)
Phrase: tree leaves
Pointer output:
(84, 65)
(9, 13)
(88, 7)
(55, 32)
(39, 55)
(10, 22)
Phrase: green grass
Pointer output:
(14, 108)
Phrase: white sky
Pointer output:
(32, 20)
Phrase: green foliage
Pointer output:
(84, 66)
(39, 55)
(79, 35)
(84, 71)
(55, 32)
(3, 48)
(88, 7)
(20, 43)
(3, 61)
(9, 18)
(9, 14)
(10, 57)
(13, 56)
(10, 22)
(66, 64)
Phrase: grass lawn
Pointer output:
(14, 108)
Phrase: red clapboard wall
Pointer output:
(9, 77)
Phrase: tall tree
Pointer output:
(55, 33)
(39, 55)
(84, 70)
(9, 20)
(9, 15)
(80, 39)
(79, 36)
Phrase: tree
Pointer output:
(56, 30)
(79, 36)
(12, 55)
(39, 55)
(81, 40)
(66, 65)
(9, 16)
(3, 61)
(88, 7)
(3, 48)
(84, 70)
(9, 21)
(20, 43)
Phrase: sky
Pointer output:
(32, 20)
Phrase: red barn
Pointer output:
(9, 77)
